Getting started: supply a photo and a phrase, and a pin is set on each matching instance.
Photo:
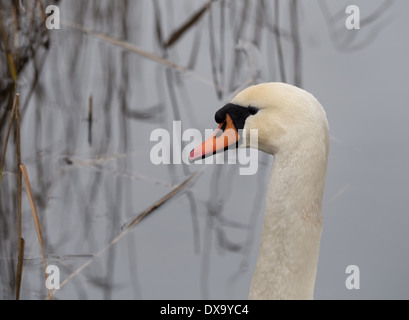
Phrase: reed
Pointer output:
(21, 242)
(127, 227)
(3, 158)
(36, 219)
(90, 119)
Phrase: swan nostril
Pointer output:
(223, 127)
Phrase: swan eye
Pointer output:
(252, 110)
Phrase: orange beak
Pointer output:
(225, 136)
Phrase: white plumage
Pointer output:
(292, 126)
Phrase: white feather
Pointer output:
(292, 126)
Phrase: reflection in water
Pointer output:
(91, 94)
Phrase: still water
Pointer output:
(93, 91)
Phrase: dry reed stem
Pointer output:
(3, 158)
(20, 259)
(133, 223)
(9, 54)
(157, 204)
(90, 103)
(18, 142)
(35, 218)
(130, 47)
(178, 33)
(16, 39)
(20, 249)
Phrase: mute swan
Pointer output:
(292, 126)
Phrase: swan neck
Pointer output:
(288, 256)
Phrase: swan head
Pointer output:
(286, 118)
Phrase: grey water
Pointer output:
(144, 64)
